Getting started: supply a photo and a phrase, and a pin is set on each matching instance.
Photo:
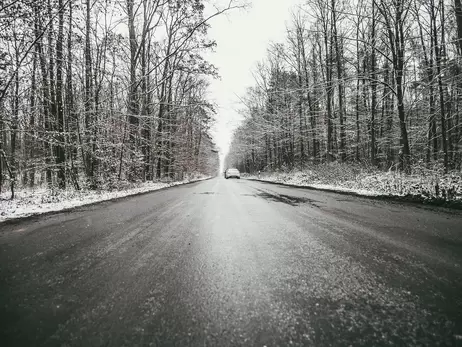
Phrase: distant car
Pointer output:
(232, 173)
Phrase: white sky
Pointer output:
(242, 37)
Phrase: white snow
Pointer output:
(427, 186)
(320, 186)
(29, 202)
(344, 189)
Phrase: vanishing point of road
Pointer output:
(234, 263)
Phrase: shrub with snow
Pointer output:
(424, 184)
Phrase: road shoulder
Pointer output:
(36, 204)
(408, 199)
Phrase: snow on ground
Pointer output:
(41, 200)
(295, 182)
(423, 186)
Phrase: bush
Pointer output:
(424, 183)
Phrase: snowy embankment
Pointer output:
(423, 186)
(30, 202)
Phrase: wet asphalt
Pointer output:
(234, 263)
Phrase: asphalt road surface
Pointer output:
(234, 263)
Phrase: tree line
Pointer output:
(376, 82)
(97, 91)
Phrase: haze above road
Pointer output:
(234, 262)
(243, 38)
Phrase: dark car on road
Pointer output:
(232, 173)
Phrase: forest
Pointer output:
(371, 83)
(98, 92)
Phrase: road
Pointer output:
(234, 263)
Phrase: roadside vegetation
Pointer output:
(427, 186)
(361, 95)
(39, 200)
(93, 92)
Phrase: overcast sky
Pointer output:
(242, 37)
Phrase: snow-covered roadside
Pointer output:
(440, 189)
(319, 186)
(38, 201)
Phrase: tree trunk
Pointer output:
(458, 11)
(133, 120)
(373, 86)
(88, 155)
(60, 146)
(72, 123)
(438, 49)
(340, 82)
(397, 46)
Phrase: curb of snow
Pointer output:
(20, 217)
(411, 199)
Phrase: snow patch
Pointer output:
(422, 185)
(41, 200)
